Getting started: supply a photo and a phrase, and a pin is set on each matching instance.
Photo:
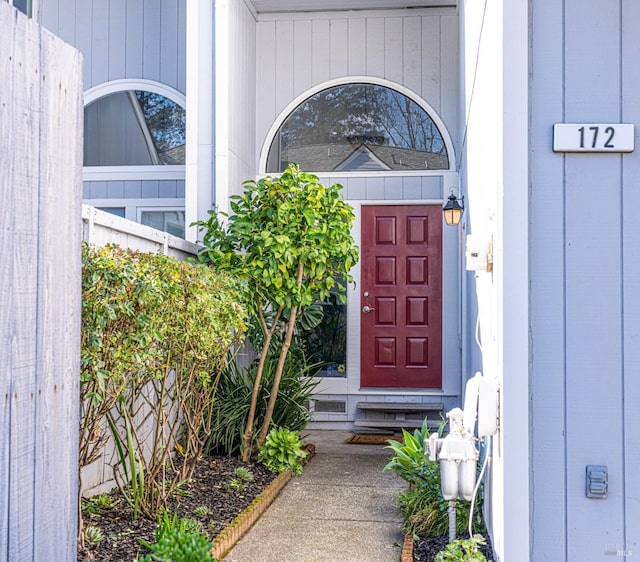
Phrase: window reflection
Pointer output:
(327, 342)
(358, 127)
(132, 128)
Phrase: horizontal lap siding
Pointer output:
(40, 123)
(295, 54)
(584, 303)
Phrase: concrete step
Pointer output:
(404, 407)
(396, 424)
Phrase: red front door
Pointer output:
(401, 296)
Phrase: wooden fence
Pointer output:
(40, 194)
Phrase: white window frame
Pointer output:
(120, 173)
(153, 209)
(35, 5)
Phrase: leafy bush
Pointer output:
(282, 450)
(156, 334)
(409, 460)
(463, 550)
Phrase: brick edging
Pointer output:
(407, 549)
(234, 531)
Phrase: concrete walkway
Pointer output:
(342, 509)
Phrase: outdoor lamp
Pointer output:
(453, 210)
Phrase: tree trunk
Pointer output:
(276, 380)
(248, 430)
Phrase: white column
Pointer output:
(222, 104)
(199, 162)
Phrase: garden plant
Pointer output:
(156, 335)
(424, 510)
(288, 238)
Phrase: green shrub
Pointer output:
(156, 333)
(180, 547)
(409, 460)
(463, 550)
(282, 450)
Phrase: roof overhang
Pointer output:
(270, 6)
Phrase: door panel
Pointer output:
(401, 283)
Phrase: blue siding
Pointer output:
(123, 38)
(584, 272)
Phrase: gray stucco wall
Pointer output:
(584, 297)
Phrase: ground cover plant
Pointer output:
(288, 238)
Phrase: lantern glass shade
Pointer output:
(452, 211)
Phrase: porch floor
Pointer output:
(341, 509)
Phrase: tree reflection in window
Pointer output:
(166, 121)
(358, 127)
(133, 128)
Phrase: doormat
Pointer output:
(371, 439)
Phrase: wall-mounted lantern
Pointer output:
(453, 210)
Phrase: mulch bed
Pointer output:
(208, 487)
(425, 550)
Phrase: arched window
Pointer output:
(358, 127)
(134, 152)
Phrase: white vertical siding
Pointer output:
(39, 290)
(419, 52)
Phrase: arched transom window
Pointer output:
(358, 127)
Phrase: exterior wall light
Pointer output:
(453, 210)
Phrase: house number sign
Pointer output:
(593, 137)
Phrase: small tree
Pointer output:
(289, 238)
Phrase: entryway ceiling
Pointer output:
(263, 6)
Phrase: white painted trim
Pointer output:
(124, 84)
(199, 161)
(97, 217)
(124, 173)
(375, 174)
(131, 205)
(446, 137)
(150, 203)
(514, 300)
(222, 104)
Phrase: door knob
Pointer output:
(367, 309)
